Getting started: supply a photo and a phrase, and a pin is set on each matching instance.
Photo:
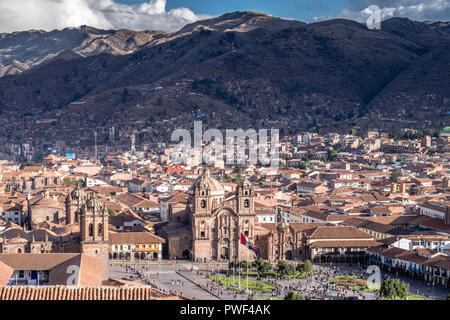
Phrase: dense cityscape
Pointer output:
(336, 204)
(225, 159)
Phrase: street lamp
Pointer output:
(432, 297)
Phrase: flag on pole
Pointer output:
(249, 245)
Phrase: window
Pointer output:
(202, 234)
(246, 203)
(100, 229)
(246, 233)
(91, 230)
(224, 230)
(203, 204)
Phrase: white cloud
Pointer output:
(412, 9)
(19, 15)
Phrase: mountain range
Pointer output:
(242, 66)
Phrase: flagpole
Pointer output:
(234, 271)
(247, 267)
(239, 275)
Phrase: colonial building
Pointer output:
(214, 221)
(135, 246)
(85, 230)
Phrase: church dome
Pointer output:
(47, 202)
(78, 194)
(284, 224)
(93, 203)
(207, 183)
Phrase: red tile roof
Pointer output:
(82, 293)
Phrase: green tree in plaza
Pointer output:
(262, 266)
(392, 288)
(285, 268)
(305, 266)
(448, 297)
(292, 295)
(259, 286)
(233, 264)
(308, 266)
(246, 264)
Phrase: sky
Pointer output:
(171, 15)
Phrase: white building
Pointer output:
(434, 210)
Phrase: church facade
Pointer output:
(214, 221)
(218, 219)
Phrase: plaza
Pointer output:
(215, 281)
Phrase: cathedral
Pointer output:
(209, 227)
(85, 231)
(213, 222)
(218, 219)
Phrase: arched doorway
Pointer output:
(224, 253)
(288, 255)
(186, 254)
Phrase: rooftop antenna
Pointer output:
(133, 143)
(95, 138)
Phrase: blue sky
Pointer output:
(298, 9)
(172, 15)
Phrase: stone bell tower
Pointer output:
(94, 231)
(245, 209)
(245, 195)
(206, 197)
(73, 203)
